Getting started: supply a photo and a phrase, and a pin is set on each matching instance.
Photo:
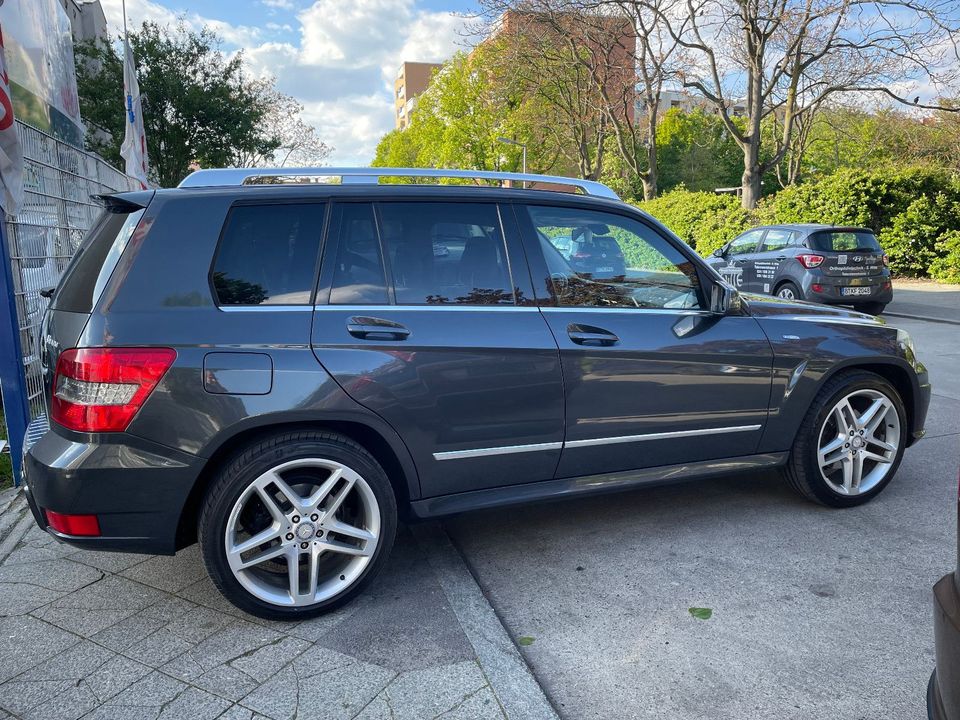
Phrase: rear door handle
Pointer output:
(372, 328)
(590, 335)
(781, 257)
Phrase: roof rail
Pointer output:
(371, 176)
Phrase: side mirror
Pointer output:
(723, 298)
(720, 251)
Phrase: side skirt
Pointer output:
(592, 484)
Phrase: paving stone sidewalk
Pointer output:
(123, 637)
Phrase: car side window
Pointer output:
(446, 253)
(358, 276)
(598, 259)
(268, 254)
(777, 240)
(746, 243)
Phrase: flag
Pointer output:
(11, 154)
(134, 148)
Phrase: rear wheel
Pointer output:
(789, 291)
(297, 524)
(851, 441)
(871, 308)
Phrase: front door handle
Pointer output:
(373, 328)
(590, 335)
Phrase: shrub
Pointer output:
(703, 220)
(913, 239)
(856, 197)
(946, 267)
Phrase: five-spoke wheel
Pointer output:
(859, 440)
(850, 442)
(294, 527)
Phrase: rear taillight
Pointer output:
(809, 260)
(101, 389)
(886, 260)
(86, 525)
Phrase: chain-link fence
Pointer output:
(59, 180)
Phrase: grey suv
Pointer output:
(822, 263)
(279, 369)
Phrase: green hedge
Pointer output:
(703, 220)
(914, 211)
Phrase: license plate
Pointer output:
(855, 290)
(605, 269)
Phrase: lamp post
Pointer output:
(508, 141)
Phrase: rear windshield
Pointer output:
(843, 241)
(88, 272)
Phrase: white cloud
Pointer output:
(343, 68)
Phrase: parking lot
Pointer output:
(815, 612)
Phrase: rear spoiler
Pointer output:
(842, 229)
(123, 203)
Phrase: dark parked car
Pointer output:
(278, 370)
(591, 251)
(943, 692)
(822, 263)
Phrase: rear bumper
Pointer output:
(137, 489)
(880, 289)
(943, 694)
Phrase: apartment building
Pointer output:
(412, 79)
(87, 21)
(688, 102)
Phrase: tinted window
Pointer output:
(828, 241)
(88, 272)
(777, 239)
(358, 275)
(441, 253)
(597, 259)
(746, 243)
(268, 255)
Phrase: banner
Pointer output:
(134, 148)
(11, 154)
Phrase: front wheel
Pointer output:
(851, 441)
(297, 524)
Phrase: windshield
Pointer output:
(843, 241)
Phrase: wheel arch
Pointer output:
(381, 442)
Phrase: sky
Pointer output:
(339, 58)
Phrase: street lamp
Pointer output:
(508, 141)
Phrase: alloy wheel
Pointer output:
(858, 442)
(786, 293)
(302, 532)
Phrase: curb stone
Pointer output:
(519, 693)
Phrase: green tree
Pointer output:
(696, 151)
(196, 103)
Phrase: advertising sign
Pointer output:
(43, 80)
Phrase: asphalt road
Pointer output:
(816, 613)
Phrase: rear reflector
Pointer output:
(74, 524)
(809, 260)
(816, 287)
(101, 389)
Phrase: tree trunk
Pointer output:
(750, 184)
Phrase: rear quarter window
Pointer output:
(88, 272)
(268, 255)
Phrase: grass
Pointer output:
(6, 469)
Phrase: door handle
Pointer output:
(781, 257)
(372, 328)
(589, 335)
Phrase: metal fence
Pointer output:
(58, 209)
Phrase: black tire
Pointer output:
(802, 470)
(241, 469)
(789, 287)
(871, 308)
